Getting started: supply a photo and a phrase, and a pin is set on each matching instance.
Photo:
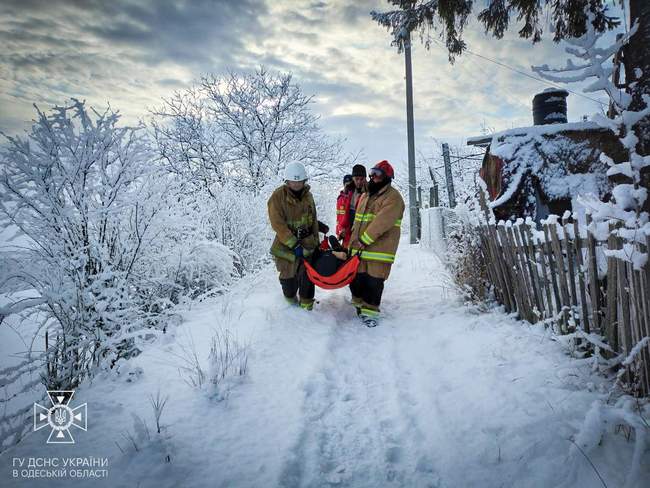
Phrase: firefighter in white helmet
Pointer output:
(292, 214)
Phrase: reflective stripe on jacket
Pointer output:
(377, 224)
(287, 214)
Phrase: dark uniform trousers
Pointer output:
(367, 288)
(299, 282)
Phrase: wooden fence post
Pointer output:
(611, 325)
(499, 267)
(644, 278)
(510, 267)
(524, 282)
(570, 258)
(577, 243)
(594, 290)
(529, 253)
(561, 276)
(639, 326)
(489, 266)
(546, 284)
(552, 271)
(623, 304)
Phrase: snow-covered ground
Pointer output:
(438, 395)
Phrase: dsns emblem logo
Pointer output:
(60, 417)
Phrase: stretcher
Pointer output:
(342, 277)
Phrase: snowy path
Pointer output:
(358, 428)
(436, 396)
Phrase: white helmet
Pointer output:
(295, 172)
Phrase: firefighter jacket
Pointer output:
(287, 214)
(377, 224)
(343, 215)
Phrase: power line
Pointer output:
(518, 71)
(453, 163)
(469, 156)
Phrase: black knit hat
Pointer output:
(359, 170)
(347, 179)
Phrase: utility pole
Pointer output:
(413, 210)
(448, 176)
(433, 191)
(433, 196)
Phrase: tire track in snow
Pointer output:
(358, 428)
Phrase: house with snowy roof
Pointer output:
(542, 169)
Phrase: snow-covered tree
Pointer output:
(188, 143)
(242, 129)
(82, 196)
(107, 244)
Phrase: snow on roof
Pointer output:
(538, 130)
(479, 140)
(563, 164)
(484, 140)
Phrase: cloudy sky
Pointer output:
(132, 53)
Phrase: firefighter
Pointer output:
(343, 218)
(292, 214)
(375, 236)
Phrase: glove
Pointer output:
(302, 232)
(298, 251)
(323, 228)
(335, 244)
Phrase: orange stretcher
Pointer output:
(343, 276)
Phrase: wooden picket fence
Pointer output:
(550, 273)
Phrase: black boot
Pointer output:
(369, 321)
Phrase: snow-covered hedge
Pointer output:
(105, 246)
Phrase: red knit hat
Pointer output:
(386, 168)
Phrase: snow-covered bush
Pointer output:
(82, 192)
(605, 417)
(186, 260)
(236, 218)
(466, 261)
(108, 241)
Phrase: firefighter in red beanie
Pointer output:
(375, 236)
